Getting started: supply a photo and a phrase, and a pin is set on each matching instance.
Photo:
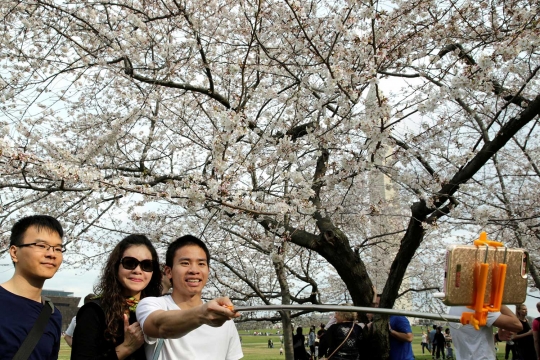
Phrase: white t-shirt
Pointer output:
(204, 343)
(71, 327)
(472, 344)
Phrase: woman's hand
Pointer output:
(133, 339)
(133, 335)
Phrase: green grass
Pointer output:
(256, 347)
(65, 350)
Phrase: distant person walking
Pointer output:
(424, 342)
(448, 343)
(299, 348)
(439, 343)
(431, 338)
(311, 342)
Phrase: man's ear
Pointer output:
(168, 272)
(13, 253)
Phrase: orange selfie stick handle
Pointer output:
(497, 292)
(498, 277)
(479, 317)
(483, 240)
(480, 312)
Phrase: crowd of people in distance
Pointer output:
(344, 338)
(437, 343)
(141, 311)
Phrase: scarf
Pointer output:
(132, 303)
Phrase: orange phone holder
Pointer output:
(481, 271)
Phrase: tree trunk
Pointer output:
(285, 315)
(377, 340)
(287, 335)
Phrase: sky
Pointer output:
(81, 282)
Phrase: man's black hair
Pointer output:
(39, 221)
(180, 243)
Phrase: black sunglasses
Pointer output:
(130, 263)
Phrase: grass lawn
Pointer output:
(256, 347)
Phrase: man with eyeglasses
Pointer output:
(36, 251)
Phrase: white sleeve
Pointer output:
(71, 327)
(145, 307)
(234, 352)
(492, 317)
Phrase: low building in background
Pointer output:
(65, 302)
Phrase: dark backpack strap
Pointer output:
(34, 335)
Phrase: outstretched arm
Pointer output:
(177, 323)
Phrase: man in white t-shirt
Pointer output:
(68, 335)
(191, 328)
(472, 344)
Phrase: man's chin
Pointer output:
(46, 275)
(188, 292)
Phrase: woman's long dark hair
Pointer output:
(113, 302)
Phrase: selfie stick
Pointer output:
(479, 317)
(327, 308)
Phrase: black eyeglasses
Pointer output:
(44, 247)
(130, 263)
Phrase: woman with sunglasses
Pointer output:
(107, 327)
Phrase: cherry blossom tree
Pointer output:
(274, 128)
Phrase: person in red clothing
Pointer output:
(536, 332)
